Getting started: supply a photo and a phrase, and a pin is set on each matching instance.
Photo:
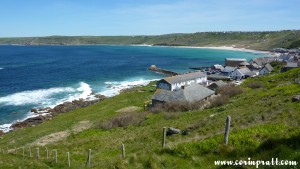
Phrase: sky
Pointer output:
(25, 18)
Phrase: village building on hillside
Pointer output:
(262, 61)
(234, 62)
(228, 70)
(177, 82)
(191, 93)
(289, 66)
(242, 73)
(266, 69)
(215, 85)
(217, 67)
(254, 66)
(244, 64)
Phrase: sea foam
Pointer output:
(33, 96)
(44, 98)
(113, 88)
(82, 92)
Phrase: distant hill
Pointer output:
(250, 40)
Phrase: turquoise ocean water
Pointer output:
(44, 76)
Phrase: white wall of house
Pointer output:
(264, 71)
(178, 86)
(236, 74)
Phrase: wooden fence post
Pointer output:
(37, 153)
(23, 151)
(227, 128)
(164, 137)
(88, 161)
(69, 161)
(30, 152)
(123, 151)
(55, 155)
(47, 153)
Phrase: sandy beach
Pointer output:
(223, 48)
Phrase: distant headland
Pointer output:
(265, 40)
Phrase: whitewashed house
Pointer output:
(266, 69)
(217, 67)
(228, 70)
(242, 73)
(177, 82)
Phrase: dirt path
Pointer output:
(55, 137)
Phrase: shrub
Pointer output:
(255, 85)
(123, 120)
(219, 101)
(178, 106)
(230, 90)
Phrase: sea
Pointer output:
(45, 76)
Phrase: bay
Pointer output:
(44, 76)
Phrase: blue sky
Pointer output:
(22, 18)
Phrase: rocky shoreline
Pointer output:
(44, 114)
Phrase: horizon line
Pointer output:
(149, 34)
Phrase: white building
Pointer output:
(228, 70)
(242, 73)
(177, 82)
(266, 69)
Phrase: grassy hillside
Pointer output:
(250, 40)
(265, 125)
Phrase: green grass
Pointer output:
(250, 40)
(264, 125)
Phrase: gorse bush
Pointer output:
(178, 106)
(219, 101)
(123, 120)
(230, 90)
(255, 85)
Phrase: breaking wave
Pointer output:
(44, 98)
(113, 88)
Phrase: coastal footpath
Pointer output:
(249, 40)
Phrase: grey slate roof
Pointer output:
(217, 84)
(268, 67)
(244, 63)
(220, 83)
(184, 77)
(291, 64)
(244, 70)
(168, 95)
(229, 69)
(255, 65)
(262, 61)
(190, 93)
